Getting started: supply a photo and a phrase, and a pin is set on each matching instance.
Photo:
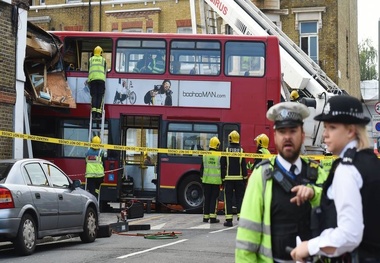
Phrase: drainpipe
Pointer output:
(100, 15)
(89, 15)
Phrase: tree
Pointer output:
(367, 60)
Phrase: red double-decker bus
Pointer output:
(217, 83)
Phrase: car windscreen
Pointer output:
(4, 170)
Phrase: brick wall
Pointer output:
(338, 54)
(7, 78)
(161, 20)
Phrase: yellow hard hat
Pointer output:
(262, 140)
(214, 143)
(294, 95)
(98, 51)
(234, 137)
(96, 140)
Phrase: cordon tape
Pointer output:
(143, 149)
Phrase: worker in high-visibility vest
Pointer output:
(294, 96)
(211, 181)
(94, 167)
(262, 142)
(97, 80)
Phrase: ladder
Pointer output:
(95, 130)
(246, 19)
(96, 127)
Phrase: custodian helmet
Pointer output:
(234, 137)
(294, 95)
(214, 143)
(98, 51)
(262, 140)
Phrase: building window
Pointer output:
(132, 30)
(149, 30)
(42, 2)
(309, 39)
(184, 30)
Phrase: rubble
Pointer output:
(45, 82)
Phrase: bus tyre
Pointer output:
(90, 227)
(190, 194)
(25, 242)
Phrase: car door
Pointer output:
(45, 199)
(71, 203)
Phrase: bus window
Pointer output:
(143, 138)
(245, 59)
(77, 130)
(186, 136)
(78, 51)
(195, 57)
(140, 56)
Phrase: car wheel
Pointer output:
(25, 242)
(190, 194)
(90, 227)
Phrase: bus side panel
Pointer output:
(75, 168)
(172, 169)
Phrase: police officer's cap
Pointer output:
(288, 114)
(343, 109)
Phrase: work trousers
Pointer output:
(97, 89)
(211, 194)
(93, 185)
(231, 188)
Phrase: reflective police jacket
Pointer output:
(253, 240)
(210, 170)
(97, 68)
(94, 163)
(326, 164)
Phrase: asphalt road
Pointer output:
(194, 241)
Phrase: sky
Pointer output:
(368, 21)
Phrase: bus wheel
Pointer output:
(190, 194)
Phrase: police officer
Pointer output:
(274, 209)
(94, 167)
(234, 174)
(211, 180)
(97, 80)
(327, 162)
(350, 197)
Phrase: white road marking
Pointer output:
(224, 229)
(160, 226)
(151, 249)
(203, 226)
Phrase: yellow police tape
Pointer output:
(143, 149)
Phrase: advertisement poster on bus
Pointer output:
(166, 92)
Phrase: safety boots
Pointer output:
(228, 223)
(214, 220)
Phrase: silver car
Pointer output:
(37, 199)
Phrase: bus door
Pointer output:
(140, 166)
